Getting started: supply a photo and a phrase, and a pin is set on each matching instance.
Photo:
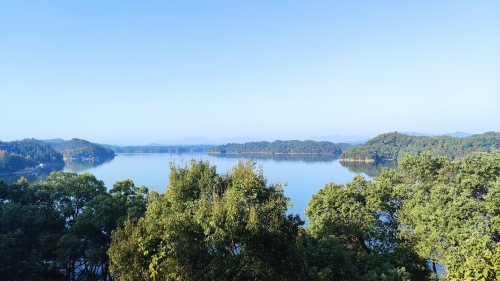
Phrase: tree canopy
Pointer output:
(61, 229)
(208, 226)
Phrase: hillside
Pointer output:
(83, 150)
(282, 147)
(26, 153)
(394, 146)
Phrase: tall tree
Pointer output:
(211, 227)
(30, 227)
(355, 236)
(451, 213)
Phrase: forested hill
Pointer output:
(394, 146)
(282, 147)
(83, 150)
(27, 153)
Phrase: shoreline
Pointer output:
(368, 160)
(358, 160)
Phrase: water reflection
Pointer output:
(40, 174)
(82, 166)
(370, 169)
(281, 157)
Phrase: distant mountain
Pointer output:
(201, 141)
(455, 134)
(342, 139)
(458, 134)
(58, 140)
(242, 140)
(416, 134)
(156, 148)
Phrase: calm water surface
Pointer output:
(303, 175)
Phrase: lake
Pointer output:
(304, 174)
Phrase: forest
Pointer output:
(282, 147)
(394, 146)
(431, 212)
(27, 153)
(82, 150)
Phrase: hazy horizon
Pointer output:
(135, 73)
(202, 141)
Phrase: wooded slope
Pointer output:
(82, 149)
(22, 154)
(394, 146)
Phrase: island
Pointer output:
(282, 147)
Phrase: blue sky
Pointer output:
(136, 72)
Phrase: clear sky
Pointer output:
(136, 72)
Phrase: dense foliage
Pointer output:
(451, 212)
(82, 150)
(27, 153)
(282, 147)
(61, 229)
(431, 212)
(211, 227)
(160, 148)
(394, 146)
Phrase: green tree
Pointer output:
(451, 213)
(29, 230)
(355, 233)
(61, 229)
(211, 227)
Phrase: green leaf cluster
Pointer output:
(208, 226)
(61, 229)
(451, 212)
